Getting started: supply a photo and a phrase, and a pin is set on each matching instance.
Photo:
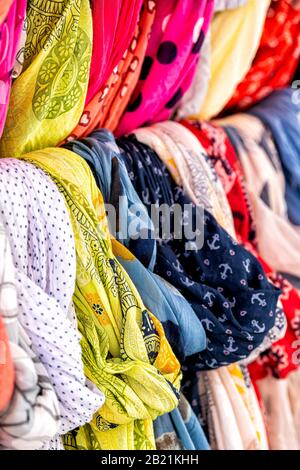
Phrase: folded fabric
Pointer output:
(280, 114)
(10, 31)
(6, 369)
(108, 104)
(48, 97)
(4, 8)
(180, 429)
(124, 348)
(170, 61)
(32, 417)
(189, 166)
(276, 59)
(183, 329)
(208, 282)
(193, 99)
(280, 423)
(118, 20)
(235, 36)
(266, 188)
(39, 230)
(279, 358)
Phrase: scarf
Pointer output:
(266, 187)
(279, 358)
(31, 417)
(189, 166)
(276, 59)
(108, 104)
(48, 97)
(180, 429)
(43, 252)
(10, 31)
(235, 36)
(202, 278)
(182, 327)
(193, 99)
(118, 20)
(280, 114)
(124, 349)
(4, 8)
(170, 61)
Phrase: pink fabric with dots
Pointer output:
(170, 62)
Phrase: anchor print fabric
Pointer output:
(10, 32)
(47, 99)
(170, 61)
(276, 59)
(278, 360)
(124, 348)
(208, 277)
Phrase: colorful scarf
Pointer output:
(180, 429)
(32, 417)
(276, 59)
(124, 348)
(208, 282)
(47, 99)
(266, 187)
(4, 8)
(235, 38)
(40, 233)
(279, 359)
(183, 329)
(280, 114)
(170, 61)
(10, 31)
(108, 104)
(113, 28)
(189, 166)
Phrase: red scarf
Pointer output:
(277, 56)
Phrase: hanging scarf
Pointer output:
(265, 185)
(125, 351)
(113, 28)
(276, 58)
(195, 95)
(48, 97)
(32, 417)
(10, 31)
(235, 38)
(279, 358)
(179, 430)
(183, 329)
(189, 166)
(170, 61)
(205, 282)
(108, 104)
(280, 114)
(38, 227)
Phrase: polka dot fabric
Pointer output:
(276, 59)
(40, 234)
(170, 62)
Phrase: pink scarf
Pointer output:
(10, 31)
(170, 62)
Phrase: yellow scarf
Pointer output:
(125, 351)
(234, 41)
(47, 99)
